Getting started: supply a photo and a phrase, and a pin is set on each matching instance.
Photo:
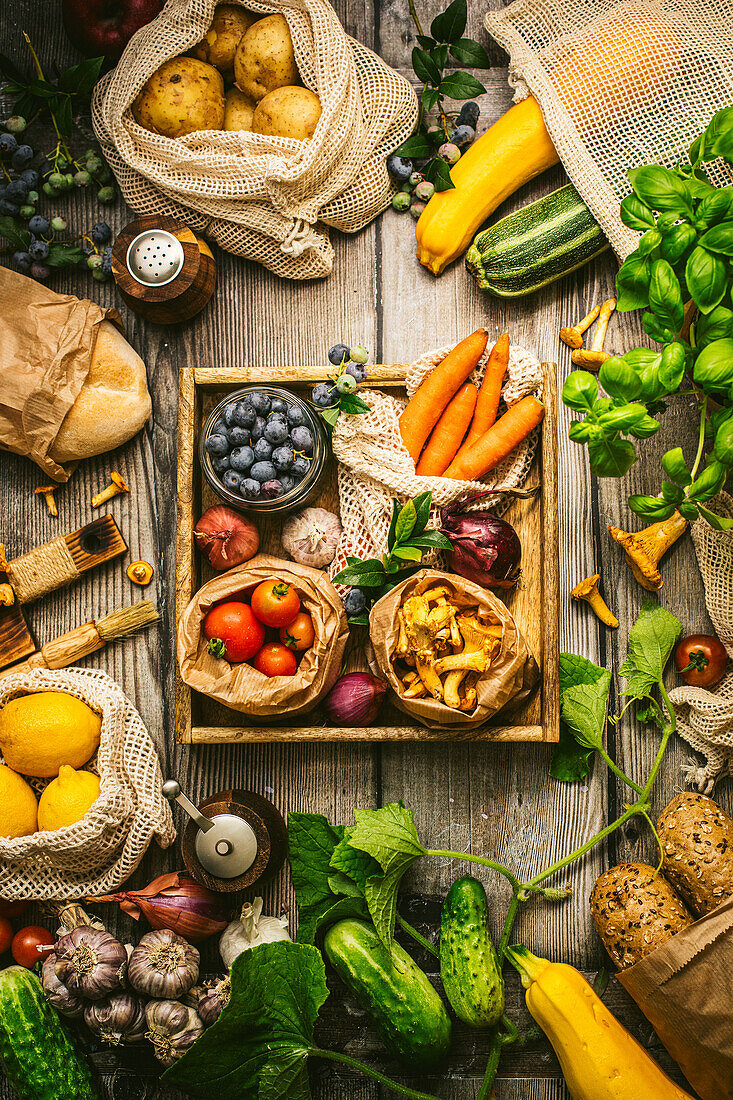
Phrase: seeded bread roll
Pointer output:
(697, 840)
(635, 911)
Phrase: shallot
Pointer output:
(175, 901)
(311, 537)
(486, 549)
(226, 537)
(354, 700)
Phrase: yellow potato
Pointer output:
(291, 112)
(238, 110)
(265, 59)
(183, 95)
(219, 44)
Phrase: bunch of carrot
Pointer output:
(450, 428)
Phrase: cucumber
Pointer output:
(408, 1013)
(37, 1056)
(536, 246)
(469, 966)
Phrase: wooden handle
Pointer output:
(62, 651)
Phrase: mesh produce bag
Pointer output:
(705, 718)
(374, 464)
(97, 854)
(620, 85)
(257, 196)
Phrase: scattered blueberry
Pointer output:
(415, 178)
(272, 488)
(338, 354)
(238, 437)
(450, 153)
(107, 262)
(283, 458)
(469, 114)
(220, 463)
(401, 202)
(8, 144)
(101, 233)
(231, 481)
(16, 124)
(262, 450)
(302, 439)
(241, 459)
(22, 157)
(346, 383)
(276, 430)
(58, 224)
(358, 354)
(400, 168)
(296, 416)
(277, 405)
(40, 271)
(301, 466)
(22, 261)
(355, 601)
(39, 225)
(10, 209)
(260, 402)
(462, 136)
(357, 371)
(249, 488)
(38, 250)
(424, 191)
(416, 208)
(244, 415)
(288, 482)
(16, 191)
(324, 394)
(30, 177)
(263, 471)
(258, 429)
(217, 445)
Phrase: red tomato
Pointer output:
(12, 908)
(299, 634)
(233, 631)
(275, 603)
(275, 659)
(6, 934)
(701, 660)
(25, 943)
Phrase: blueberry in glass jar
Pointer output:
(260, 402)
(278, 405)
(301, 466)
(231, 480)
(302, 439)
(276, 430)
(241, 459)
(238, 437)
(228, 414)
(272, 488)
(258, 429)
(283, 458)
(295, 417)
(244, 414)
(263, 471)
(220, 463)
(262, 450)
(288, 482)
(217, 445)
(220, 427)
(249, 488)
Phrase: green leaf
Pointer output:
(716, 325)
(351, 403)
(64, 115)
(611, 457)
(718, 137)
(660, 188)
(431, 540)
(19, 238)
(619, 379)
(719, 239)
(675, 467)
(665, 295)
(330, 415)
(259, 1046)
(422, 502)
(583, 709)
(438, 172)
(651, 641)
(706, 279)
(439, 55)
(651, 508)
(312, 842)
(461, 86)
(636, 214)
(406, 521)
(63, 255)
(676, 241)
(393, 522)
(569, 759)
(367, 574)
(426, 41)
(429, 99)
(715, 208)
(425, 67)
(407, 553)
(415, 146)
(468, 52)
(580, 390)
(718, 523)
(632, 283)
(709, 483)
(359, 620)
(356, 866)
(450, 24)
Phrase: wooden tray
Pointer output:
(200, 720)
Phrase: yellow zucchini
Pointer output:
(599, 1059)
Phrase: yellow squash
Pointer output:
(599, 1059)
(511, 152)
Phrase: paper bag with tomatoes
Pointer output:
(251, 660)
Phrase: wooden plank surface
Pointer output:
(495, 799)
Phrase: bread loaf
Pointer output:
(697, 841)
(113, 403)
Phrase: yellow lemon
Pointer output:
(67, 798)
(40, 732)
(18, 806)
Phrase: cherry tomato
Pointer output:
(299, 634)
(275, 659)
(275, 603)
(25, 943)
(701, 660)
(6, 934)
(12, 908)
(233, 631)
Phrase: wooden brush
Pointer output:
(89, 637)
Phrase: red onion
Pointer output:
(226, 537)
(486, 549)
(354, 700)
(176, 902)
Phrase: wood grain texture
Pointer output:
(497, 799)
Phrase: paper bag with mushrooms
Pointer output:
(242, 687)
(450, 649)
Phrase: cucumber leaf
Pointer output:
(570, 760)
(322, 897)
(651, 640)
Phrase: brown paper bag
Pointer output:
(510, 679)
(685, 990)
(242, 687)
(46, 343)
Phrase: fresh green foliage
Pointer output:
(408, 540)
(684, 254)
(60, 254)
(570, 758)
(651, 641)
(444, 47)
(60, 98)
(323, 896)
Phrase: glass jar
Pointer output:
(302, 493)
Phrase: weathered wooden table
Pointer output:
(497, 799)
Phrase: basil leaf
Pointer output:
(724, 443)
(644, 427)
(715, 207)
(713, 370)
(651, 641)
(611, 457)
(651, 508)
(677, 240)
(636, 214)
(674, 466)
(718, 523)
(665, 295)
(715, 325)
(706, 280)
(709, 483)
(632, 283)
(719, 239)
(461, 85)
(619, 379)
(580, 431)
(450, 24)
(718, 139)
(672, 367)
(580, 390)
(672, 493)
(621, 419)
(660, 188)
(656, 328)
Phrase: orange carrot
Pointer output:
(489, 395)
(428, 404)
(441, 448)
(499, 441)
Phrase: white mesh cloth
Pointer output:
(705, 718)
(374, 464)
(97, 854)
(620, 85)
(256, 196)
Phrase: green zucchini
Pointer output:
(469, 967)
(37, 1057)
(536, 245)
(408, 1013)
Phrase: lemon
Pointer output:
(67, 798)
(40, 732)
(18, 806)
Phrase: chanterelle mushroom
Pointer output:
(479, 643)
(588, 590)
(645, 548)
(427, 629)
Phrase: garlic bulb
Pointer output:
(90, 963)
(213, 1001)
(63, 1000)
(250, 930)
(311, 537)
(119, 1019)
(163, 965)
(172, 1029)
